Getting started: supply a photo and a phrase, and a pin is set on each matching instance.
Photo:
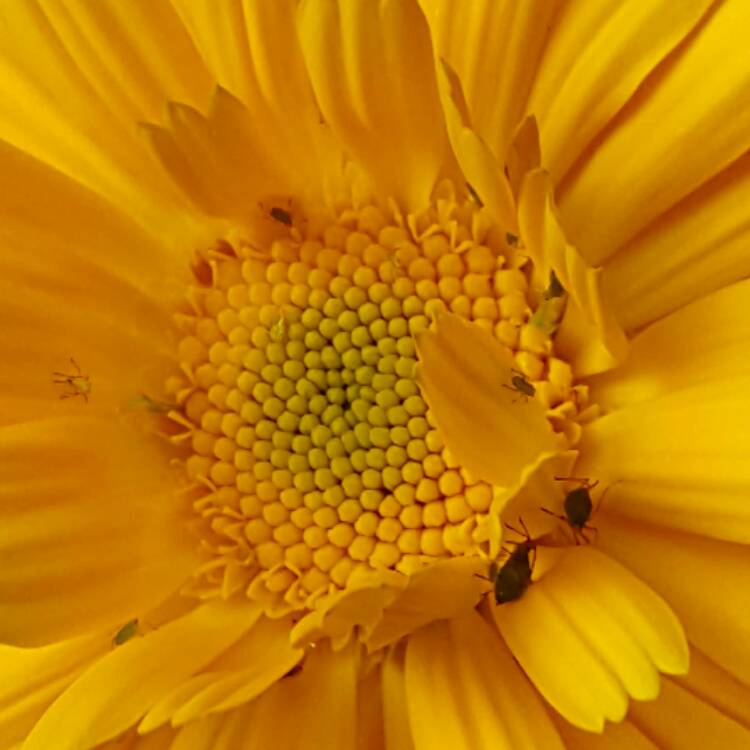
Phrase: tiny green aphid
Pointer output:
(577, 506)
(144, 401)
(126, 632)
(79, 383)
(555, 288)
(281, 215)
(519, 384)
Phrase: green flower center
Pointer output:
(313, 449)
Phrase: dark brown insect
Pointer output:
(513, 577)
(281, 215)
(519, 384)
(577, 506)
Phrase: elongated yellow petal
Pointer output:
(691, 105)
(706, 583)
(263, 656)
(322, 700)
(592, 613)
(697, 247)
(711, 684)
(680, 461)
(596, 56)
(370, 735)
(50, 110)
(599, 634)
(465, 692)
(90, 532)
(590, 336)
(679, 719)
(253, 52)
(371, 66)
(494, 46)
(122, 686)
(704, 342)
(134, 55)
(32, 679)
(622, 736)
(462, 371)
(396, 727)
(480, 167)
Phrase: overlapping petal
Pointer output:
(596, 56)
(462, 371)
(680, 461)
(371, 67)
(686, 123)
(696, 248)
(119, 688)
(599, 636)
(706, 582)
(92, 533)
(464, 691)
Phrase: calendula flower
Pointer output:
(374, 374)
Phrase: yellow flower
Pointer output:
(394, 298)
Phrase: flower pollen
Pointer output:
(311, 448)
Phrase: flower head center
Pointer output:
(314, 448)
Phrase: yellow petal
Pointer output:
(598, 633)
(480, 167)
(396, 728)
(440, 591)
(493, 434)
(521, 504)
(707, 584)
(679, 719)
(123, 685)
(465, 692)
(91, 531)
(596, 56)
(371, 66)
(32, 679)
(622, 736)
(695, 248)
(253, 52)
(54, 274)
(263, 656)
(714, 686)
(704, 342)
(590, 337)
(370, 733)
(680, 461)
(313, 709)
(494, 47)
(50, 110)
(134, 55)
(691, 106)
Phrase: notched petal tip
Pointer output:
(477, 162)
